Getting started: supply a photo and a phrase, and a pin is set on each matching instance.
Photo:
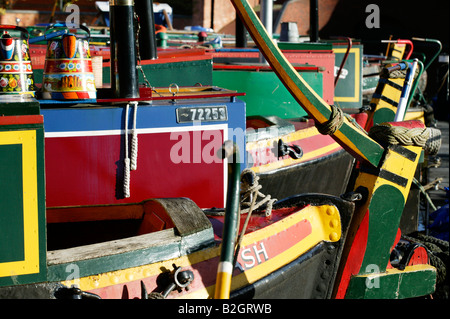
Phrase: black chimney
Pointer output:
(147, 38)
(314, 20)
(124, 76)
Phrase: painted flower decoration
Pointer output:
(3, 82)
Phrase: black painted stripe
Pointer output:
(403, 151)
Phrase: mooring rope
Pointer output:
(428, 138)
(249, 194)
(434, 141)
(250, 191)
(134, 140)
(130, 164)
(333, 124)
(399, 135)
(126, 161)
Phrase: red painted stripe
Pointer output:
(21, 119)
(204, 271)
(256, 67)
(408, 124)
(355, 257)
(265, 155)
(94, 167)
(270, 247)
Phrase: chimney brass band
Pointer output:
(121, 2)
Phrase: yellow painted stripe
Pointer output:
(140, 272)
(397, 164)
(392, 271)
(292, 137)
(414, 115)
(291, 161)
(319, 216)
(323, 229)
(222, 289)
(30, 264)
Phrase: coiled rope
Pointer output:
(130, 164)
(250, 191)
(335, 122)
(438, 253)
(428, 138)
(249, 194)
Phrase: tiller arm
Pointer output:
(387, 170)
(352, 139)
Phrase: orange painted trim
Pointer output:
(21, 119)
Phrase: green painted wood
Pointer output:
(131, 252)
(349, 137)
(399, 285)
(348, 91)
(385, 211)
(383, 115)
(15, 106)
(11, 204)
(265, 95)
(186, 73)
(304, 46)
(11, 210)
(230, 225)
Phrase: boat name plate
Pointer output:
(202, 114)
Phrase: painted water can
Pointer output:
(16, 71)
(68, 72)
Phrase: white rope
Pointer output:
(126, 162)
(134, 140)
(249, 194)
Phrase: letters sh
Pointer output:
(253, 255)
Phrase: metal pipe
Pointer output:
(349, 46)
(407, 54)
(124, 75)
(241, 33)
(266, 15)
(402, 105)
(147, 38)
(314, 20)
(439, 49)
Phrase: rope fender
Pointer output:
(428, 138)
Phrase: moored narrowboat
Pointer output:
(105, 190)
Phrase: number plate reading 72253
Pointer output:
(202, 114)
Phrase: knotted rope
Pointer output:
(335, 122)
(399, 135)
(134, 142)
(428, 138)
(250, 191)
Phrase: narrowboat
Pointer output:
(149, 192)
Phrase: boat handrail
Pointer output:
(353, 139)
